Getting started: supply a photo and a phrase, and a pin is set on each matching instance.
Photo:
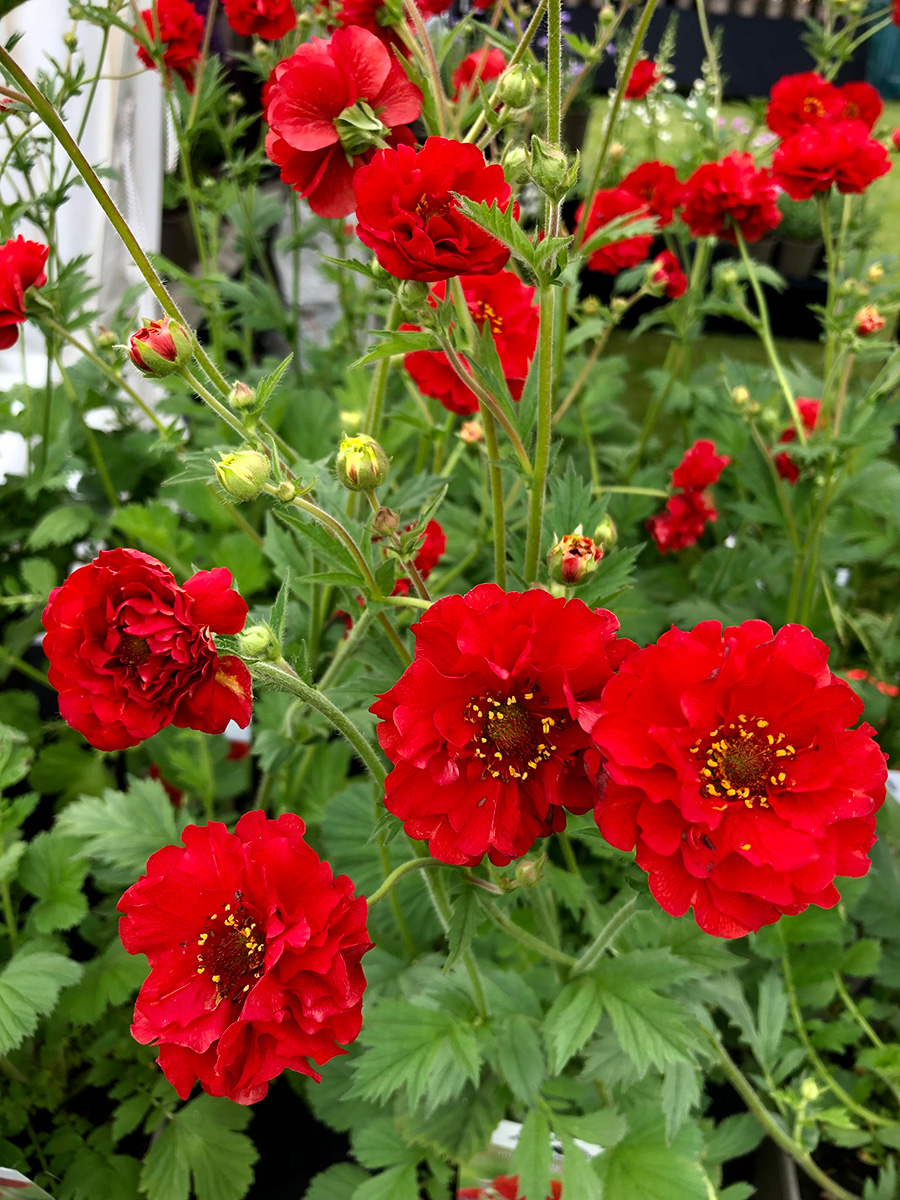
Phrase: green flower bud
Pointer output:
(105, 337)
(70, 41)
(515, 164)
(550, 168)
(286, 491)
(386, 522)
(530, 871)
(516, 87)
(361, 464)
(412, 295)
(161, 348)
(606, 535)
(258, 642)
(241, 396)
(243, 473)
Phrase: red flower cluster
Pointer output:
(687, 513)
(644, 75)
(21, 267)
(269, 19)
(408, 215)
(809, 415)
(484, 64)
(131, 652)
(483, 727)
(666, 273)
(254, 950)
(858, 675)
(180, 34)
(732, 767)
(657, 185)
(508, 306)
(729, 195)
(329, 106)
(607, 205)
(434, 543)
(798, 101)
(504, 1187)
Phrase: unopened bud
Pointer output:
(70, 41)
(573, 559)
(515, 164)
(728, 277)
(606, 535)
(740, 395)
(235, 101)
(809, 1090)
(847, 287)
(412, 295)
(868, 321)
(530, 871)
(875, 273)
(386, 522)
(161, 347)
(105, 337)
(243, 473)
(361, 464)
(258, 641)
(550, 169)
(241, 396)
(616, 151)
(590, 306)
(618, 304)
(471, 432)
(607, 15)
(515, 87)
(286, 491)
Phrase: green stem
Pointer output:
(378, 386)
(412, 864)
(779, 486)
(408, 565)
(516, 57)
(93, 447)
(711, 57)
(204, 53)
(437, 891)
(440, 102)
(9, 913)
(216, 405)
(544, 432)
(495, 478)
(535, 944)
(24, 668)
(280, 675)
(605, 937)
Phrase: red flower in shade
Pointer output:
(666, 273)
(407, 213)
(328, 107)
(860, 676)
(505, 302)
(868, 321)
(644, 75)
(840, 154)
(484, 64)
(799, 100)
(687, 513)
(434, 543)
(180, 34)
(483, 729)
(809, 414)
(733, 769)
(254, 950)
(657, 185)
(895, 12)
(895, 134)
(731, 194)
(505, 1187)
(700, 466)
(861, 103)
(627, 252)
(21, 267)
(269, 19)
(131, 652)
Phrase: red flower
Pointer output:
(868, 321)
(483, 728)
(407, 213)
(180, 35)
(666, 273)
(434, 543)
(269, 19)
(809, 414)
(254, 950)
(700, 466)
(329, 106)
(799, 100)
(895, 12)
(608, 204)
(506, 1187)
(860, 676)
(733, 769)
(687, 513)
(644, 75)
(484, 64)
(839, 154)
(861, 103)
(895, 133)
(131, 652)
(508, 304)
(657, 185)
(721, 197)
(21, 267)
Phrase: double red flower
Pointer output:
(484, 64)
(329, 106)
(180, 34)
(607, 205)
(798, 101)
(132, 652)
(408, 216)
(644, 75)
(687, 512)
(269, 19)
(508, 306)
(483, 727)
(254, 950)
(733, 768)
(21, 267)
(729, 195)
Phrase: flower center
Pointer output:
(512, 739)
(813, 107)
(433, 206)
(232, 953)
(742, 760)
(486, 312)
(133, 651)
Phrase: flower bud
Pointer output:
(471, 432)
(550, 168)
(412, 295)
(809, 1090)
(590, 306)
(740, 395)
(515, 164)
(868, 321)
(530, 871)
(70, 41)
(616, 151)
(258, 641)
(286, 491)
(875, 273)
(386, 522)
(618, 304)
(361, 464)
(161, 347)
(606, 535)
(607, 15)
(243, 473)
(105, 337)
(515, 87)
(241, 396)
(573, 559)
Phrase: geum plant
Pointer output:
(522, 963)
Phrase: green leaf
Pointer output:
(54, 872)
(201, 1146)
(732, 1138)
(29, 988)
(861, 958)
(579, 1177)
(531, 1157)
(463, 925)
(459, 1130)
(110, 978)
(337, 1183)
(651, 1029)
(642, 1165)
(122, 829)
(397, 1183)
(15, 756)
(404, 341)
(605, 1127)
(10, 859)
(279, 608)
(571, 1020)
(269, 383)
(773, 1007)
(61, 526)
(501, 225)
(520, 1057)
(378, 1145)
(681, 1092)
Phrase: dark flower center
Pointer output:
(433, 206)
(813, 107)
(513, 740)
(133, 651)
(742, 760)
(486, 312)
(232, 953)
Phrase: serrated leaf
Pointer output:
(571, 1020)
(397, 1183)
(54, 871)
(122, 829)
(403, 341)
(337, 1183)
(605, 1127)
(61, 526)
(732, 1138)
(642, 1165)
(110, 978)
(652, 1029)
(201, 1146)
(773, 1008)
(579, 1177)
(378, 1145)
(520, 1057)
(29, 988)
(499, 224)
(680, 1093)
(459, 1130)
(279, 608)
(269, 383)
(531, 1157)
(463, 924)
(15, 756)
